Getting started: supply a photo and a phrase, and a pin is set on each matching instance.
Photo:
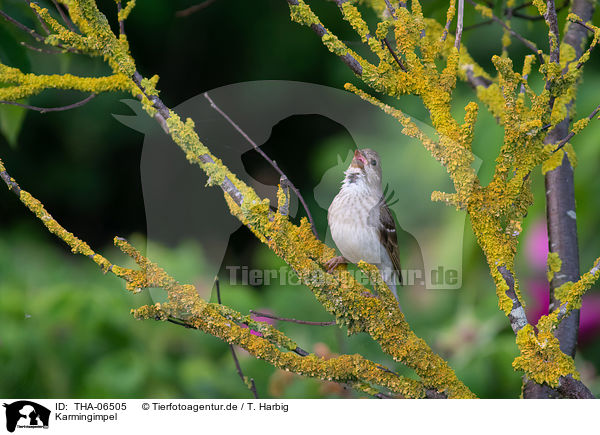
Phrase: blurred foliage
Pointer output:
(65, 327)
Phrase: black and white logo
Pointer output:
(26, 414)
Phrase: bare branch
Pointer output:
(64, 16)
(476, 25)
(459, 23)
(51, 109)
(450, 16)
(238, 367)
(285, 319)
(560, 198)
(515, 13)
(553, 35)
(572, 133)
(391, 8)
(40, 49)
(581, 23)
(35, 35)
(22, 26)
(267, 158)
(571, 388)
(121, 22)
(394, 55)
(526, 42)
(347, 58)
(193, 9)
(42, 22)
(475, 80)
(517, 316)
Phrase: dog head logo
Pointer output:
(26, 414)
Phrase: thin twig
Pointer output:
(588, 51)
(581, 23)
(568, 137)
(35, 35)
(22, 26)
(384, 40)
(448, 22)
(553, 44)
(553, 36)
(285, 319)
(252, 386)
(179, 322)
(40, 49)
(121, 22)
(347, 58)
(459, 23)
(396, 58)
(391, 9)
(163, 113)
(64, 16)
(267, 158)
(51, 109)
(531, 17)
(476, 25)
(37, 15)
(526, 42)
(524, 5)
(193, 9)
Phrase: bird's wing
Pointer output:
(388, 236)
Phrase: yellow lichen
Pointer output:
(554, 265)
(541, 358)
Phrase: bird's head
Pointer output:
(365, 167)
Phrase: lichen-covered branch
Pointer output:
(219, 320)
(496, 210)
(426, 61)
(339, 293)
(560, 193)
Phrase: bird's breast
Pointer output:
(353, 222)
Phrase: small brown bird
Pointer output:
(361, 224)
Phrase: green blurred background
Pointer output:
(65, 328)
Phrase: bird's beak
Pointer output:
(359, 160)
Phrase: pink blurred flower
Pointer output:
(536, 245)
(260, 319)
(538, 289)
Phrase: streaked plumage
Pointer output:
(361, 224)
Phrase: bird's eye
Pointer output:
(374, 162)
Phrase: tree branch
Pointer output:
(560, 197)
(572, 133)
(347, 58)
(51, 109)
(394, 55)
(525, 42)
(459, 23)
(560, 206)
(35, 35)
(121, 22)
(64, 16)
(517, 316)
(273, 164)
(193, 9)
(219, 320)
(285, 319)
(251, 385)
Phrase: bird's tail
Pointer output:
(392, 279)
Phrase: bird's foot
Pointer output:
(334, 262)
